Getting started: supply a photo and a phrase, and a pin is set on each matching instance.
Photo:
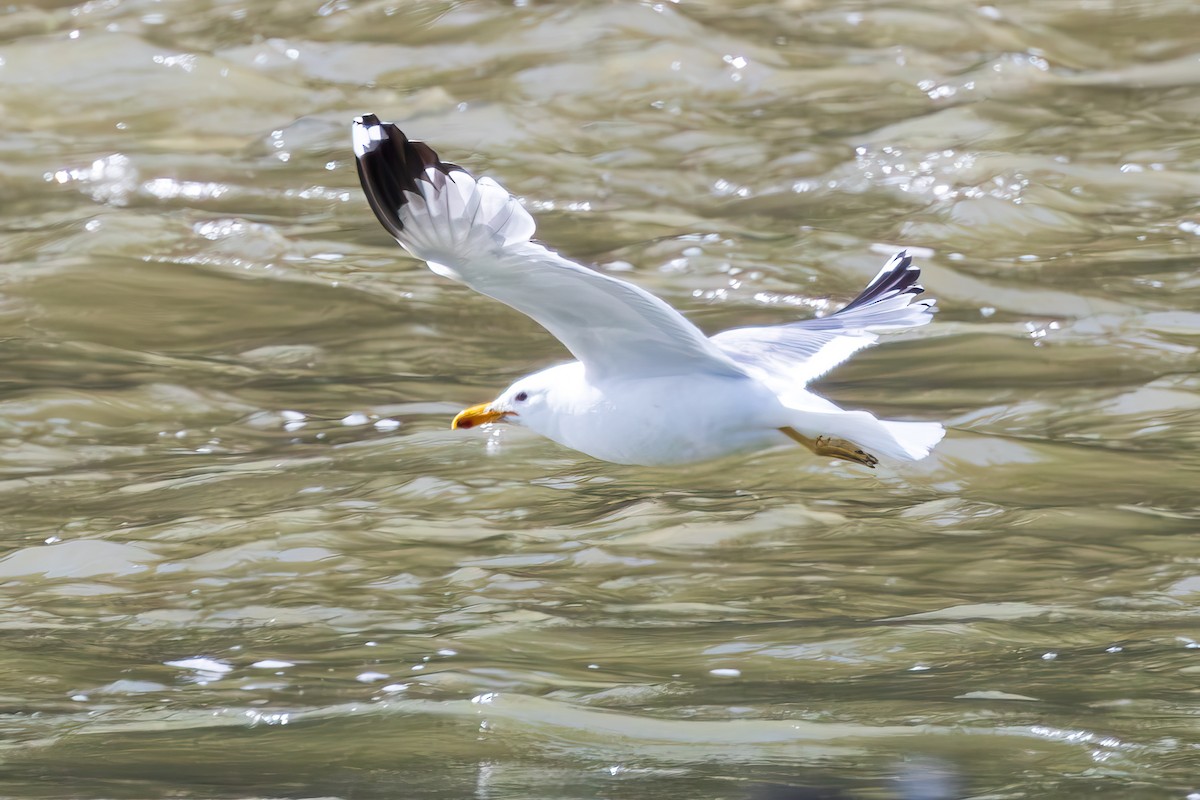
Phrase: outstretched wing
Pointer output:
(473, 231)
(786, 357)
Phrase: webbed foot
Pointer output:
(833, 448)
(847, 451)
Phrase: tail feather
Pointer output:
(917, 439)
(905, 441)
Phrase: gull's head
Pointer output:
(523, 403)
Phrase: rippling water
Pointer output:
(243, 555)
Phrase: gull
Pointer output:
(647, 386)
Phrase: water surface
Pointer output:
(241, 554)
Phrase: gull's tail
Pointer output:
(906, 441)
(437, 211)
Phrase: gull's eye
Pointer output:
(521, 397)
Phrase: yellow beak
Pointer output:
(479, 415)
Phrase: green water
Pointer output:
(242, 554)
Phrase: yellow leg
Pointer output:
(833, 448)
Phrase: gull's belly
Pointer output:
(673, 420)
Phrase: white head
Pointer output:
(533, 402)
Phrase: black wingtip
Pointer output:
(900, 279)
(389, 164)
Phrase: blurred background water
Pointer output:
(241, 554)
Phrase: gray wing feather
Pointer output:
(786, 357)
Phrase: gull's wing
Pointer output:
(475, 232)
(786, 357)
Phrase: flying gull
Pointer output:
(648, 387)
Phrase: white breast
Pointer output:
(658, 421)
